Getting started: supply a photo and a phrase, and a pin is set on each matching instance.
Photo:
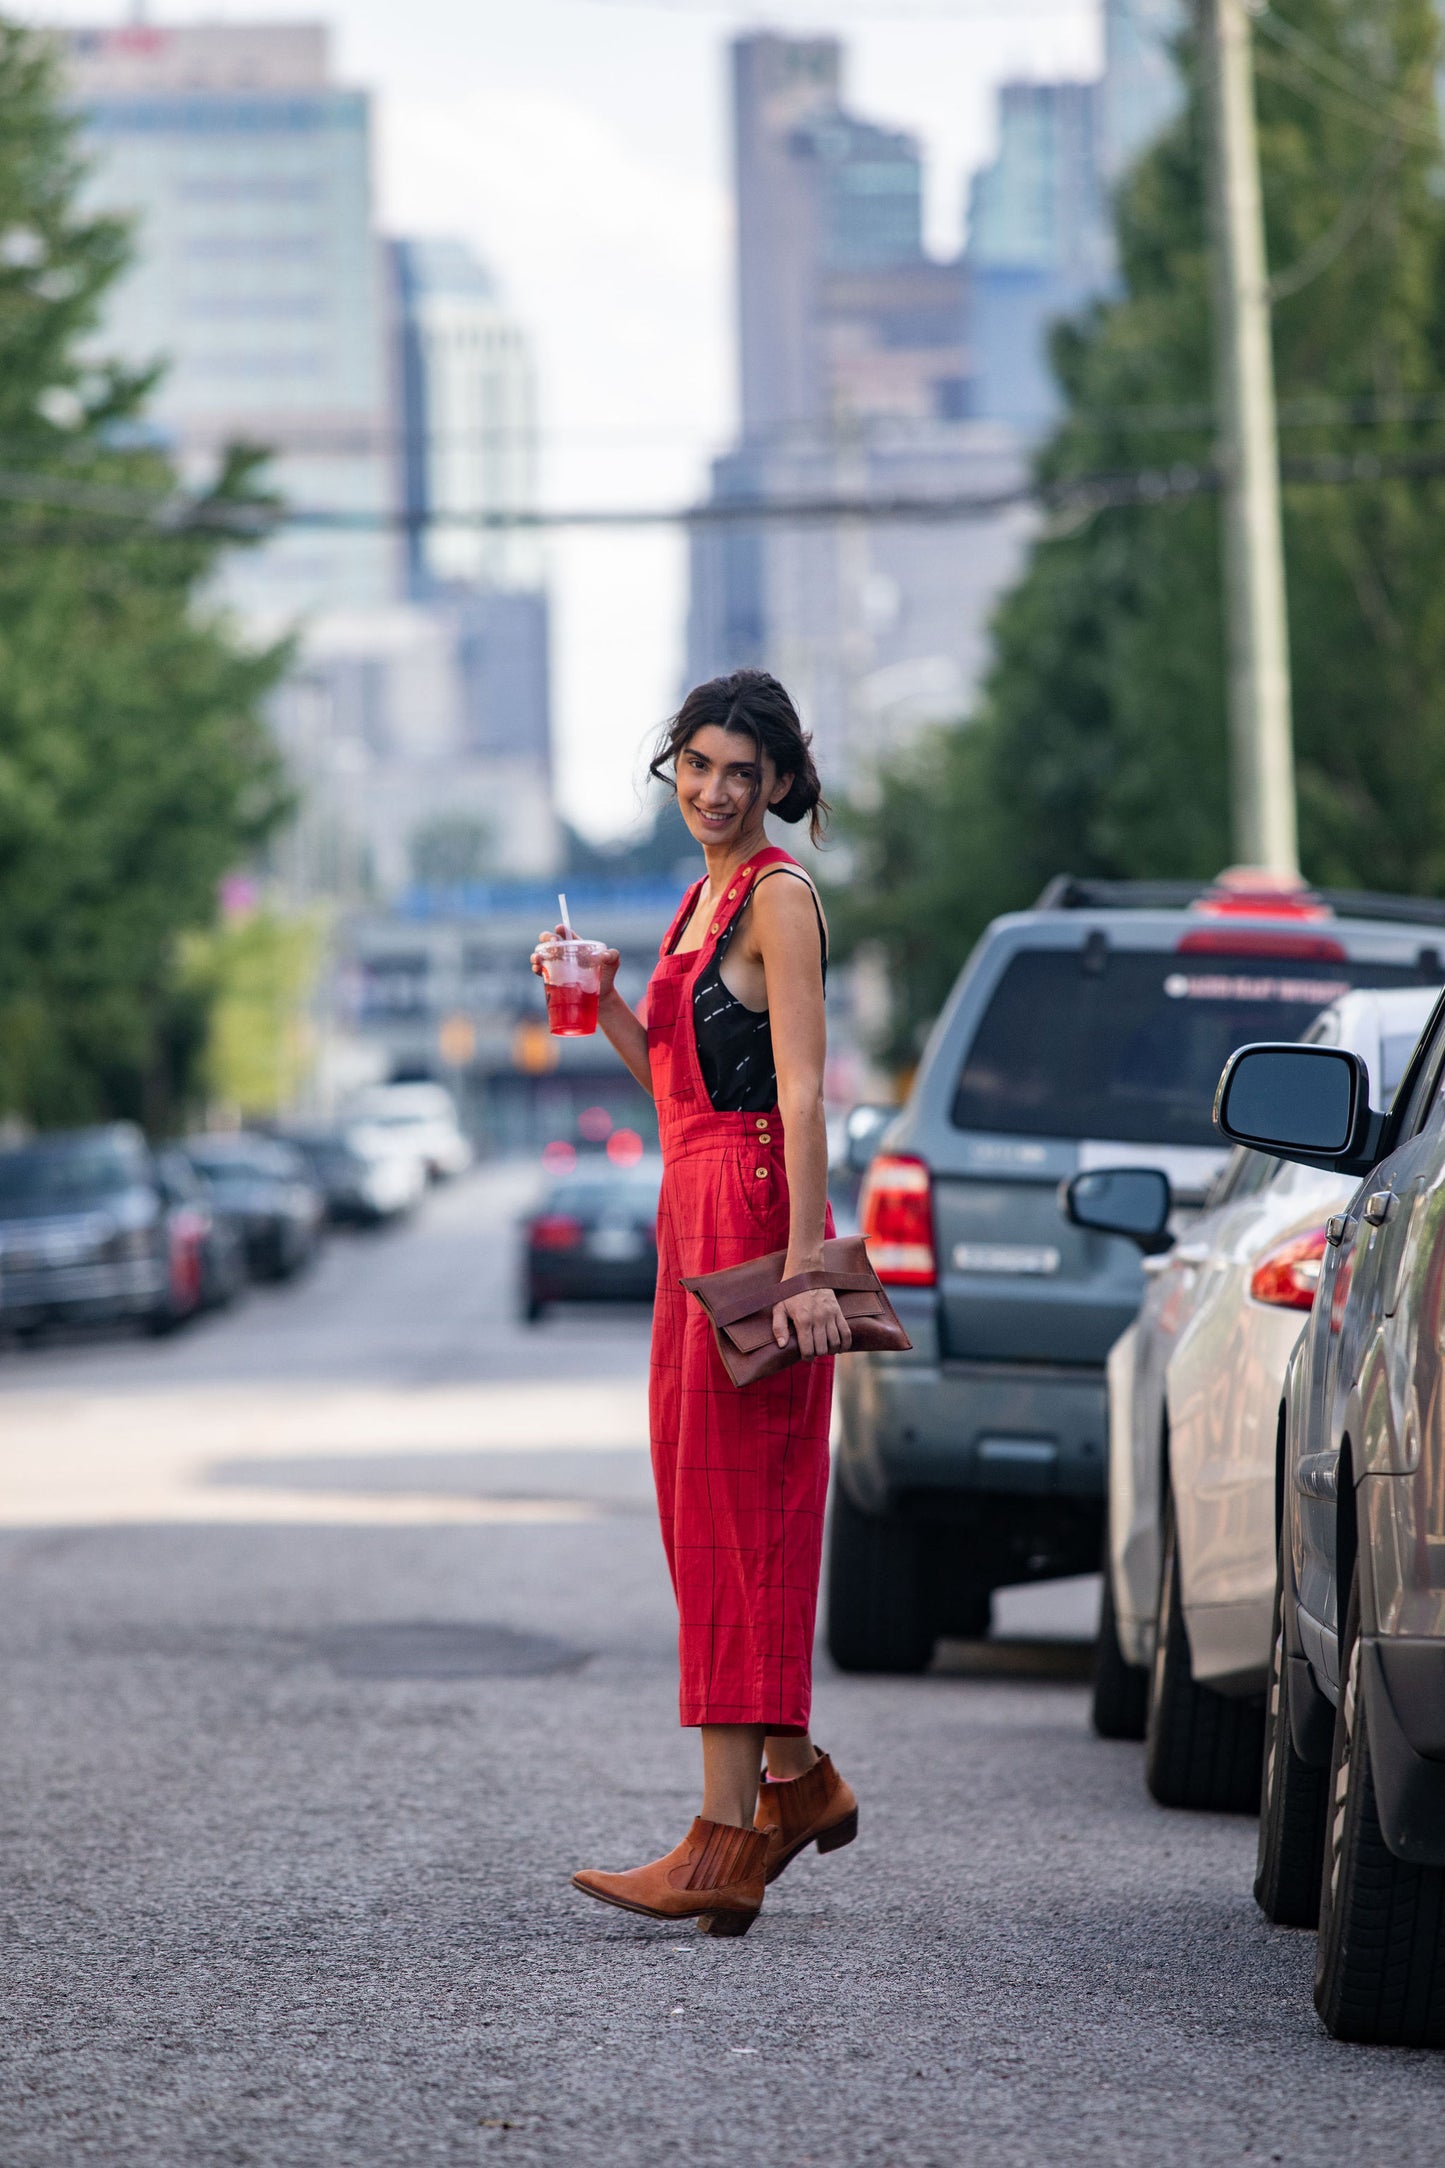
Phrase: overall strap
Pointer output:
(739, 888)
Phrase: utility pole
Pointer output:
(1261, 747)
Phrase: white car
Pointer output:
(1195, 1389)
(420, 1119)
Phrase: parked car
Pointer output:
(1195, 1385)
(263, 1185)
(84, 1231)
(208, 1252)
(592, 1237)
(1085, 1033)
(420, 1119)
(1354, 1794)
(360, 1173)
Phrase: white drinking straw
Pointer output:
(566, 917)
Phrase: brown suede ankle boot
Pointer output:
(816, 1808)
(715, 1876)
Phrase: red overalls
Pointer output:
(742, 1474)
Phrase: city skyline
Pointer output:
(580, 149)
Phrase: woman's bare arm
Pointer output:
(622, 1025)
(786, 928)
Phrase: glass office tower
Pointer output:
(257, 281)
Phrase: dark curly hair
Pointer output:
(752, 704)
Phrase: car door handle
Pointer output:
(1338, 1229)
(1378, 1206)
(1153, 1266)
(1191, 1253)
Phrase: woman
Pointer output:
(732, 1051)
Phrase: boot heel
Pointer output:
(834, 1839)
(725, 1923)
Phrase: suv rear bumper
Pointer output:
(909, 1423)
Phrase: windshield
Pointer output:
(75, 1173)
(1128, 1044)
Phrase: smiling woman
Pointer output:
(732, 1051)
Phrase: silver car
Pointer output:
(1196, 1385)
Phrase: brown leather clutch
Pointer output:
(740, 1301)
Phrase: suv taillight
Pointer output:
(1289, 1275)
(896, 1214)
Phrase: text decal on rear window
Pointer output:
(1231, 986)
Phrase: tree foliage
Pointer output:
(1099, 745)
(135, 768)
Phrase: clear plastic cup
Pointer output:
(572, 976)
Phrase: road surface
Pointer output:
(337, 1633)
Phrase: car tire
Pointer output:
(1121, 1689)
(877, 1610)
(533, 1310)
(1380, 1973)
(1201, 1749)
(1293, 1799)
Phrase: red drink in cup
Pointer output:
(571, 1012)
(572, 975)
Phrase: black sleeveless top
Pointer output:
(735, 1044)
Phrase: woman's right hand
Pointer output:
(608, 963)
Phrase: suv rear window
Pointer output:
(1129, 1044)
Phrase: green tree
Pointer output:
(135, 767)
(1099, 745)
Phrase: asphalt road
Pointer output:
(337, 1634)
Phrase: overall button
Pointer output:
(744, 873)
(731, 893)
(765, 1138)
(762, 1121)
(714, 926)
(762, 1173)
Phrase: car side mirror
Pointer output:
(1131, 1201)
(861, 1134)
(1306, 1103)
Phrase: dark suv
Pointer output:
(1087, 1032)
(1352, 1822)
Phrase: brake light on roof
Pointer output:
(1289, 1276)
(895, 1211)
(1255, 892)
(1245, 944)
(555, 1231)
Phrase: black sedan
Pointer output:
(593, 1238)
(264, 1187)
(85, 1232)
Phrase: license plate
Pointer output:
(617, 1244)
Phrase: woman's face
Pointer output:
(718, 775)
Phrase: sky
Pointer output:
(581, 146)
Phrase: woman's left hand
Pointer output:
(818, 1321)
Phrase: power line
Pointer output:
(1084, 493)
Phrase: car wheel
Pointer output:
(534, 1310)
(1380, 1974)
(877, 1614)
(1121, 1689)
(1201, 1749)
(1292, 1800)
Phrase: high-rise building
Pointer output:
(1038, 242)
(468, 409)
(257, 280)
(855, 378)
